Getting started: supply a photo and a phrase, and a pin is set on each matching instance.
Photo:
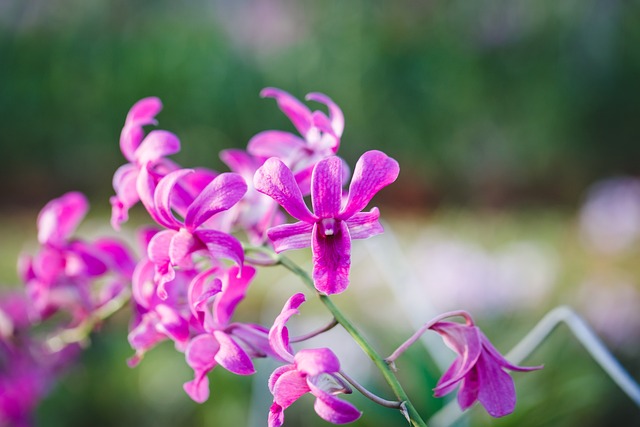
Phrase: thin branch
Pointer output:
(394, 404)
(315, 333)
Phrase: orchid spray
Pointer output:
(211, 235)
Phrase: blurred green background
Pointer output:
(501, 113)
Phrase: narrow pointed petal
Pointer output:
(277, 181)
(374, 171)
(497, 392)
(316, 361)
(221, 245)
(60, 217)
(279, 334)
(231, 356)
(365, 224)
(331, 259)
(146, 186)
(275, 143)
(335, 113)
(290, 236)
(142, 287)
(326, 187)
(235, 290)
(296, 111)
(493, 353)
(221, 194)
(156, 145)
(162, 198)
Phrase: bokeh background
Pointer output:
(515, 124)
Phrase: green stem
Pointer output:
(407, 408)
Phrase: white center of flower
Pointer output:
(329, 226)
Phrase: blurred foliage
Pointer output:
(485, 103)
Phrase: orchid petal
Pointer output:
(182, 245)
(465, 341)
(124, 184)
(275, 143)
(331, 259)
(374, 171)
(273, 378)
(156, 145)
(232, 293)
(200, 356)
(296, 111)
(497, 392)
(162, 198)
(231, 356)
(334, 410)
(141, 114)
(142, 287)
(499, 358)
(172, 323)
(316, 361)
(221, 245)
(365, 224)
(60, 217)
(289, 387)
(279, 333)
(239, 161)
(276, 180)
(220, 194)
(326, 187)
(158, 253)
(201, 289)
(290, 236)
(335, 113)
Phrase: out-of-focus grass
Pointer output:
(572, 390)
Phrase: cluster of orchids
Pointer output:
(212, 233)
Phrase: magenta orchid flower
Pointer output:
(312, 371)
(320, 134)
(332, 225)
(173, 247)
(479, 369)
(221, 342)
(256, 212)
(62, 273)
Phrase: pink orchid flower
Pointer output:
(173, 247)
(256, 212)
(479, 369)
(332, 225)
(62, 273)
(309, 371)
(320, 134)
(230, 345)
(136, 180)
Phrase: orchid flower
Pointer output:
(230, 345)
(312, 371)
(479, 369)
(255, 212)
(60, 275)
(173, 247)
(332, 225)
(320, 134)
(136, 180)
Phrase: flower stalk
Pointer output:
(407, 408)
